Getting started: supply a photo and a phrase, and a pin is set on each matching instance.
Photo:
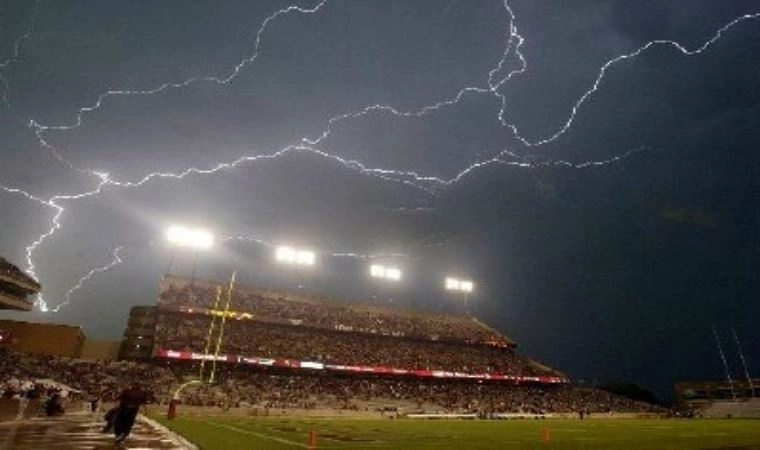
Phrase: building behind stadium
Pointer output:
(16, 287)
(53, 339)
(16, 293)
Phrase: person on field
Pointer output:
(130, 401)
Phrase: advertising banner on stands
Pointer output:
(377, 370)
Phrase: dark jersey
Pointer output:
(132, 398)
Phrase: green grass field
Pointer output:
(290, 433)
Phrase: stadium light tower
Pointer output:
(295, 257)
(466, 287)
(298, 257)
(386, 273)
(196, 239)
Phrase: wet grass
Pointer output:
(291, 433)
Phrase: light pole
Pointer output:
(458, 285)
(299, 258)
(193, 238)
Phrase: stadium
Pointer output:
(272, 348)
(371, 224)
(235, 366)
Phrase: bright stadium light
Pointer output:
(452, 284)
(455, 284)
(305, 257)
(195, 238)
(290, 255)
(464, 286)
(392, 273)
(377, 271)
(285, 254)
(388, 273)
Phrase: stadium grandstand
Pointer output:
(16, 287)
(208, 345)
(137, 343)
(293, 330)
(188, 295)
(285, 350)
(720, 399)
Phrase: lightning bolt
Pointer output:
(494, 80)
(24, 36)
(40, 129)
(606, 66)
(114, 262)
(55, 226)
(30, 268)
(16, 52)
(335, 254)
(514, 43)
(383, 174)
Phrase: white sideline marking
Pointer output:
(261, 435)
(294, 443)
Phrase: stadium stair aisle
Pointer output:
(80, 431)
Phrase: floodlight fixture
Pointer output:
(290, 255)
(196, 238)
(305, 257)
(455, 284)
(393, 274)
(452, 284)
(285, 254)
(377, 271)
(388, 273)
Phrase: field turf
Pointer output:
(216, 432)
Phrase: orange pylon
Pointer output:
(313, 439)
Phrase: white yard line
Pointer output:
(261, 435)
(173, 437)
(352, 445)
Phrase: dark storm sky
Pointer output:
(608, 251)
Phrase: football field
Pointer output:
(218, 432)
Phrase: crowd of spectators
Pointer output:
(268, 388)
(20, 374)
(190, 332)
(324, 390)
(313, 311)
